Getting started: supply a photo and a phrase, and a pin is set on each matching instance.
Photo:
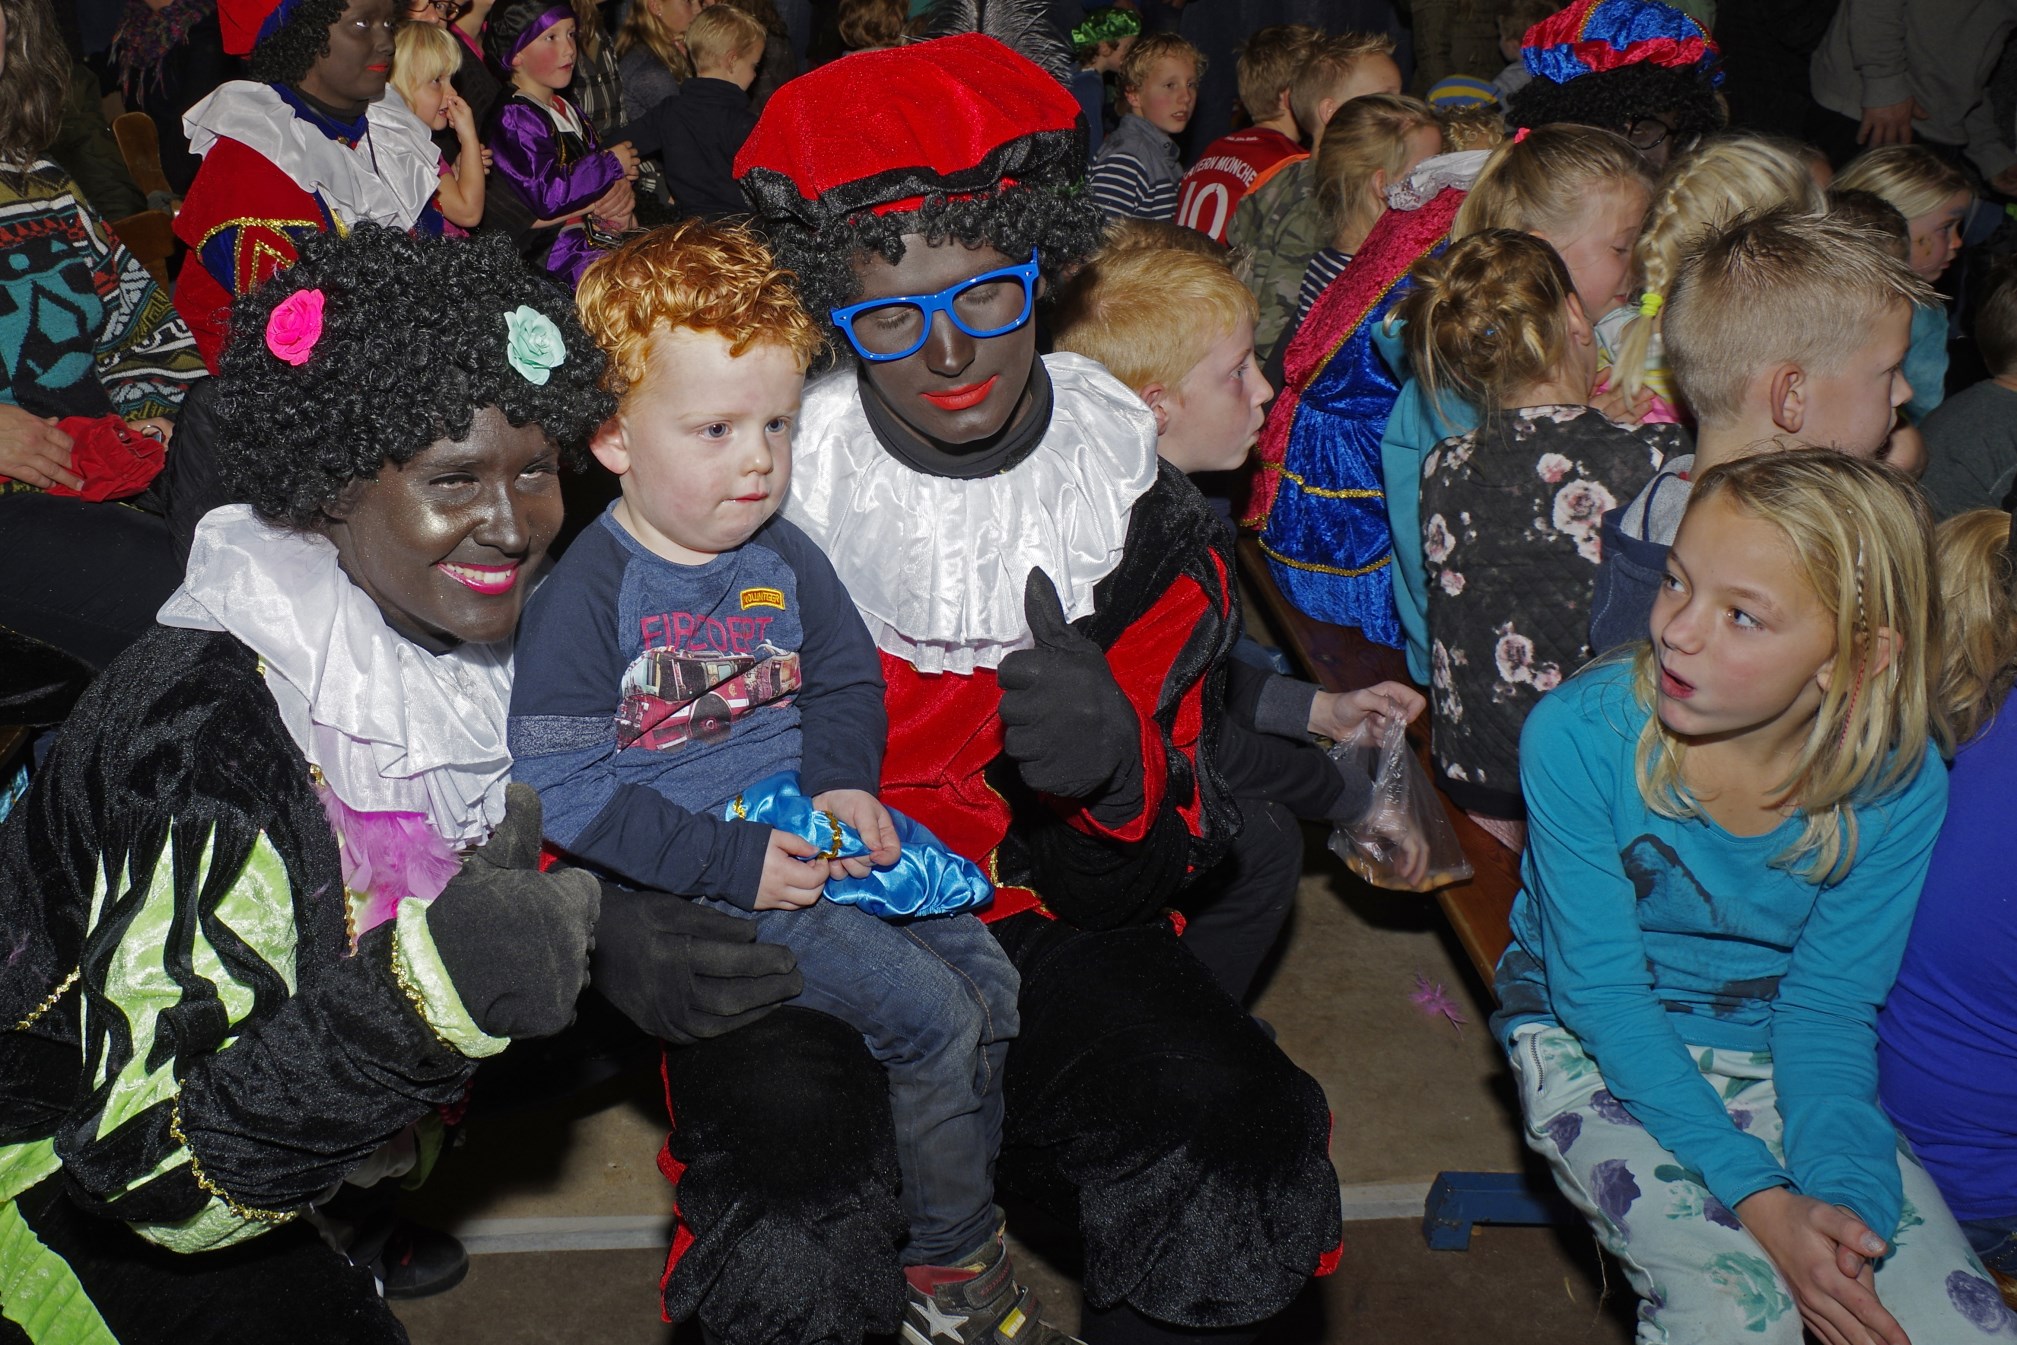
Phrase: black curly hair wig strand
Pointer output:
(1615, 99)
(413, 344)
(1059, 220)
(287, 56)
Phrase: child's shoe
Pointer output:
(978, 1303)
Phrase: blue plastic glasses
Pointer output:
(992, 303)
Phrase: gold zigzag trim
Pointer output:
(46, 1005)
(1312, 566)
(245, 1212)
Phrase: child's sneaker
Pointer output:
(978, 1303)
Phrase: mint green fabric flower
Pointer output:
(533, 344)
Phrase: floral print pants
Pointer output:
(1700, 1277)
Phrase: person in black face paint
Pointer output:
(1053, 612)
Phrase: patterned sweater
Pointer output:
(84, 328)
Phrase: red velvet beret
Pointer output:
(882, 130)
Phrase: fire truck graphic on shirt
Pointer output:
(673, 697)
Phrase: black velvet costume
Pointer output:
(1143, 1105)
(288, 1062)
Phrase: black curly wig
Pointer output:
(285, 57)
(413, 344)
(1059, 220)
(1615, 99)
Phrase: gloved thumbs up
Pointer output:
(1046, 615)
(1067, 724)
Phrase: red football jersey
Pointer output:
(1232, 166)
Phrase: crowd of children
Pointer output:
(902, 678)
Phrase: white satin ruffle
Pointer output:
(387, 179)
(937, 565)
(392, 727)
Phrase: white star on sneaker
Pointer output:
(939, 1323)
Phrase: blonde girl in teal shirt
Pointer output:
(1727, 833)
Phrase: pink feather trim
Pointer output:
(1435, 1002)
(387, 857)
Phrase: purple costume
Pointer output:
(558, 172)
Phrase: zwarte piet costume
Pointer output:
(1142, 1105)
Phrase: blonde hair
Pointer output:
(1267, 65)
(1149, 311)
(1478, 126)
(1725, 178)
(868, 25)
(642, 28)
(1914, 179)
(706, 277)
(1364, 138)
(422, 53)
(1861, 540)
(1785, 285)
(1545, 181)
(720, 33)
(1327, 66)
(1487, 317)
(1152, 47)
(1978, 598)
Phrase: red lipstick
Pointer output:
(961, 399)
(489, 580)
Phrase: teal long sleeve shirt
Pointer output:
(1647, 935)
(1412, 430)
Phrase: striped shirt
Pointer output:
(1317, 277)
(1136, 172)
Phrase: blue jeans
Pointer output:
(935, 1000)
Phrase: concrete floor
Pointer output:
(1413, 1095)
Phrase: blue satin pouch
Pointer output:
(928, 879)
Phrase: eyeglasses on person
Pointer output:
(992, 303)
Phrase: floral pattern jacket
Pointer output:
(1510, 539)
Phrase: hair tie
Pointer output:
(1651, 303)
(1522, 134)
(294, 326)
(532, 344)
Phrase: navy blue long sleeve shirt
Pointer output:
(649, 693)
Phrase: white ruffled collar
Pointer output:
(388, 178)
(937, 565)
(392, 727)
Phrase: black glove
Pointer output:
(1069, 727)
(681, 971)
(515, 940)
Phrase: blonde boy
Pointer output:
(1136, 172)
(1787, 330)
(1177, 326)
(1279, 226)
(691, 649)
(697, 135)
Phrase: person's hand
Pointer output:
(1067, 724)
(486, 158)
(154, 427)
(515, 940)
(1620, 409)
(626, 154)
(864, 812)
(1387, 836)
(34, 451)
(461, 118)
(683, 972)
(1905, 449)
(1890, 124)
(1812, 1244)
(794, 875)
(2005, 182)
(1337, 715)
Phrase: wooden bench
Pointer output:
(1479, 911)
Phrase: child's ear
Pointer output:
(1788, 392)
(1884, 645)
(1157, 395)
(1580, 330)
(1325, 107)
(611, 446)
(1133, 99)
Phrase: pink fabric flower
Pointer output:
(387, 857)
(294, 327)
